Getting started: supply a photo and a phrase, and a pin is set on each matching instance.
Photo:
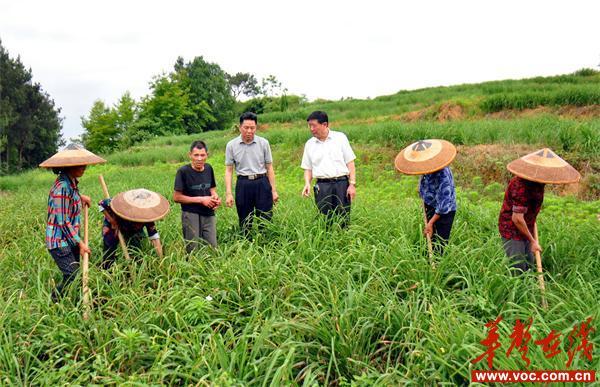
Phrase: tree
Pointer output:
(272, 97)
(196, 96)
(170, 110)
(101, 133)
(106, 126)
(29, 121)
(271, 87)
(243, 84)
(207, 83)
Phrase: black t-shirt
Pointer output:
(190, 182)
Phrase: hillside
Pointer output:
(302, 305)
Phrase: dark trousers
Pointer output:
(333, 201)
(520, 255)
(197, 227)
(441, 229)
(111, 244)
(253, 197)
(67, 260)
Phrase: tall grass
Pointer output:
(547, 130)
(574, 95)
(301, 304)
(580, 88)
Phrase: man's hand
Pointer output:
(111, 219)
(535, 246)
(209, 201)
(229, 199)
(83, 248)
(86, 200)
(217, 200)
(351, 192)
(306, 190)
(275, 196)
(428, 230)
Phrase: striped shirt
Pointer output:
(64, 213)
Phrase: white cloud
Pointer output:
(81, 51)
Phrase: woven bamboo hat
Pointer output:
(72, 156)
(544, 166)
(140, 205)
(425, 156)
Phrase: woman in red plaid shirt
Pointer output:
(523, 200)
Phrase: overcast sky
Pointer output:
(85, 50)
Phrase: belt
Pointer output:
(251, 177)
(332, 179)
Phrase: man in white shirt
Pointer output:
(329, 158)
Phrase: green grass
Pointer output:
(300, 305)
(563, 135)
(303, 305)
(571, 89)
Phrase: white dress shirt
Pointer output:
(328, 159)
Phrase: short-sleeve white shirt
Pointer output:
(328, 159)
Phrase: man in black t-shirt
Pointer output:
(195, 190)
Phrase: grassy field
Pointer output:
(578, 89)
(301, 305)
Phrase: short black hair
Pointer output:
(65, 170)
(198, 144)
(249, 116)
(318, 115)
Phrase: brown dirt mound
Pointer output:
(511, 113)
(569, 111)
(450, 111)
(591, 111)
(489, 162)
(412, 116)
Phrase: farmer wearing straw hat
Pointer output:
(430, 158)
(255, 191)
(329, 158)
(64, 211)
(523, 200)
(130, 212)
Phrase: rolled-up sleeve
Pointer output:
(518, 198)
(152, 231)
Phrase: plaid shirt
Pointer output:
(521, 197)
(64, 213)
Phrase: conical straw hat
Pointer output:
(425, 156)
(544, 166)
(140, 205)
(72, 156)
